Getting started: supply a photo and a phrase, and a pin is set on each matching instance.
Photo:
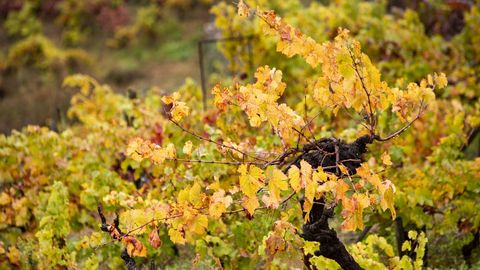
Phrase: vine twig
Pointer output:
(400, 131)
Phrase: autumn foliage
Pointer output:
(280, 172)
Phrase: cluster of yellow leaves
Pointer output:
(178, 108)
(386, 189)
(259, 101)
(83, 81)
(386, 159)
(405, 101)
(352, 211)
(139, 149)
(14, 210)
(122, 199)
(13, 254)
(219, 203)
(192, 220)
(276, 184)
(315, 183)
(135, 217)
(292, 42)
(376, 253)
(235, 149)
(349, 79)
(96, 104)
(188, 216)
(252, 179)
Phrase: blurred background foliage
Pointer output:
(129, 44)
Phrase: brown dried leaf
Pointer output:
(154, 239)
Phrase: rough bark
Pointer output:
(400, 234)
(318, 230)
(328, 153)
(129, 261)
(468, 248)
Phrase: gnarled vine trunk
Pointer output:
(328, 153)
(318, 230)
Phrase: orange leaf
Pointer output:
(341, 189)
(134, 247)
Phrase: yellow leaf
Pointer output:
(134, 149)
(441, 80)
(309, 247)
(170, 151)
(243, 9)
(134, 247)
(294, 176)
(306, 170)
(386, 201)
(219, 203)
(250, 203)
(406, 246)
(216, 210)
(352, 211)
(251, 179)
(307, 207)
(429, 79)
(215, 186)
(183, 196)
(310, 191)
(327, 186)
(341, 189)
(199, 224)
(187, 148)
(13, 256)
(365, 173)
(320, 175)
(158, 156)
(176, 236)
(194, 194)
(277, 184)
(168, 99)
(221, 97)
(5, 198)
(343, 169)
(255, 120)
(386, 159)
(412, 234)
(179, 111)
(363, 200)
